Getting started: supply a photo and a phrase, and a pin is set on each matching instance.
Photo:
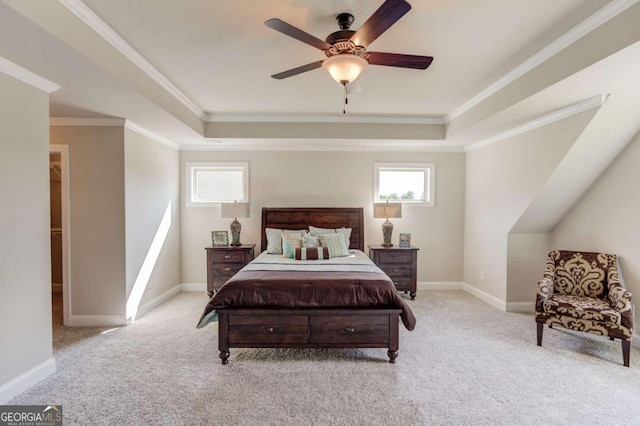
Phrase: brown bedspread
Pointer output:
(298, 289)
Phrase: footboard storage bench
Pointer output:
(308, 328)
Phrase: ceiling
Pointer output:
(187, 70)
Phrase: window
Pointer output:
(406, 182)
(212, 183)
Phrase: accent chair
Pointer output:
(583, 291)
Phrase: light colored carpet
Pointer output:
(465, 364)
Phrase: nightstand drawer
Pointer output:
(226, 269)
(228, 256)
(397, 270)
(349, 329)
(403, 283)
(395, 256)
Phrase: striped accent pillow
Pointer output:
(312, 253)
(335, 243)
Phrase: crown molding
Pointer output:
(563, 113)
(20, 73)
(324, 145)
(154, 136)
(93, 21)
(591, 23)
(86, 121)
(368, 119)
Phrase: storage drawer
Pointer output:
(226, 269)
(268, 329)
(358, 329)
(397, 270)
(227, 256)
(395, 256)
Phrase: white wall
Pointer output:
(151, 187)
(335, 179)
(97, 215)
(25, 269)
(501, 181)
(606, 218)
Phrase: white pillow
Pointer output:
(314, 231)
(309, 241)
(334, 243)
(274, 239)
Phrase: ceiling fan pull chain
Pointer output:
(346, 100)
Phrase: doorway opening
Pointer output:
(60, 234)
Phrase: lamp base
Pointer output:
(387, 230)
(235, 233)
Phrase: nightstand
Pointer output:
(400, 263)
(224, 262)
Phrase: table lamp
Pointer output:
(234, 210)
(387, 210)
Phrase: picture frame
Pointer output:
(404, 240)
(219, 238)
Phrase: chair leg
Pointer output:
(626, 349)
(540, 329)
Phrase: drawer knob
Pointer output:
(227, 269)
(268, 329)
(350, 330)
(227, 257)
(395, 282)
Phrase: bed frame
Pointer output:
(310, 328)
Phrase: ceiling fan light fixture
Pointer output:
(345, 68)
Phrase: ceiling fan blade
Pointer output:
(383, 18)
(298, 34)
(399, 60)
(299, 70)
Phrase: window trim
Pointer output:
(429, 184)
(190, 167)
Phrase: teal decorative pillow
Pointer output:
(290, 242)
(335, 243)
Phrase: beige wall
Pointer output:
(97, 215)
(606, 218)
(501, 181)
(151, 186)
(334, 179)
(25, 289)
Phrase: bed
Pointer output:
(284, 306)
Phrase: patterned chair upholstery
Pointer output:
(582, 291)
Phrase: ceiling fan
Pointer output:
(346, 50)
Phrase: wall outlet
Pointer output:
(481, 275)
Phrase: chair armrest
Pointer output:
(620, 297)
(545, 291)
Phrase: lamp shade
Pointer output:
(234, 210)
(387, 210)
(344, 68)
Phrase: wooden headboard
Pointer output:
(321, 217)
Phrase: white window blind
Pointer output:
(210, 183)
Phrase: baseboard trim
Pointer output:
(440, 285)
(158, 300)
(485, 297)
(193, 287)
(97, 320)
(520, 306)
(15, 387)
